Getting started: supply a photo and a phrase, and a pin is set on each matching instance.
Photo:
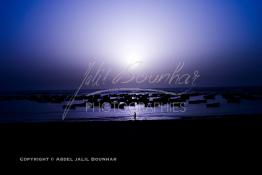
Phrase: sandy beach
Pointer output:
(134, 143)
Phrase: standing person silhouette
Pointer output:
(135, 116)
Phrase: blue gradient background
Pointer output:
(47, 44)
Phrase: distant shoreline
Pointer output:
(160, 88)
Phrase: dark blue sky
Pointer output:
(48, 44)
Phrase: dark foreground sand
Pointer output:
(200, 142)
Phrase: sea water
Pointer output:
(31, 111)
